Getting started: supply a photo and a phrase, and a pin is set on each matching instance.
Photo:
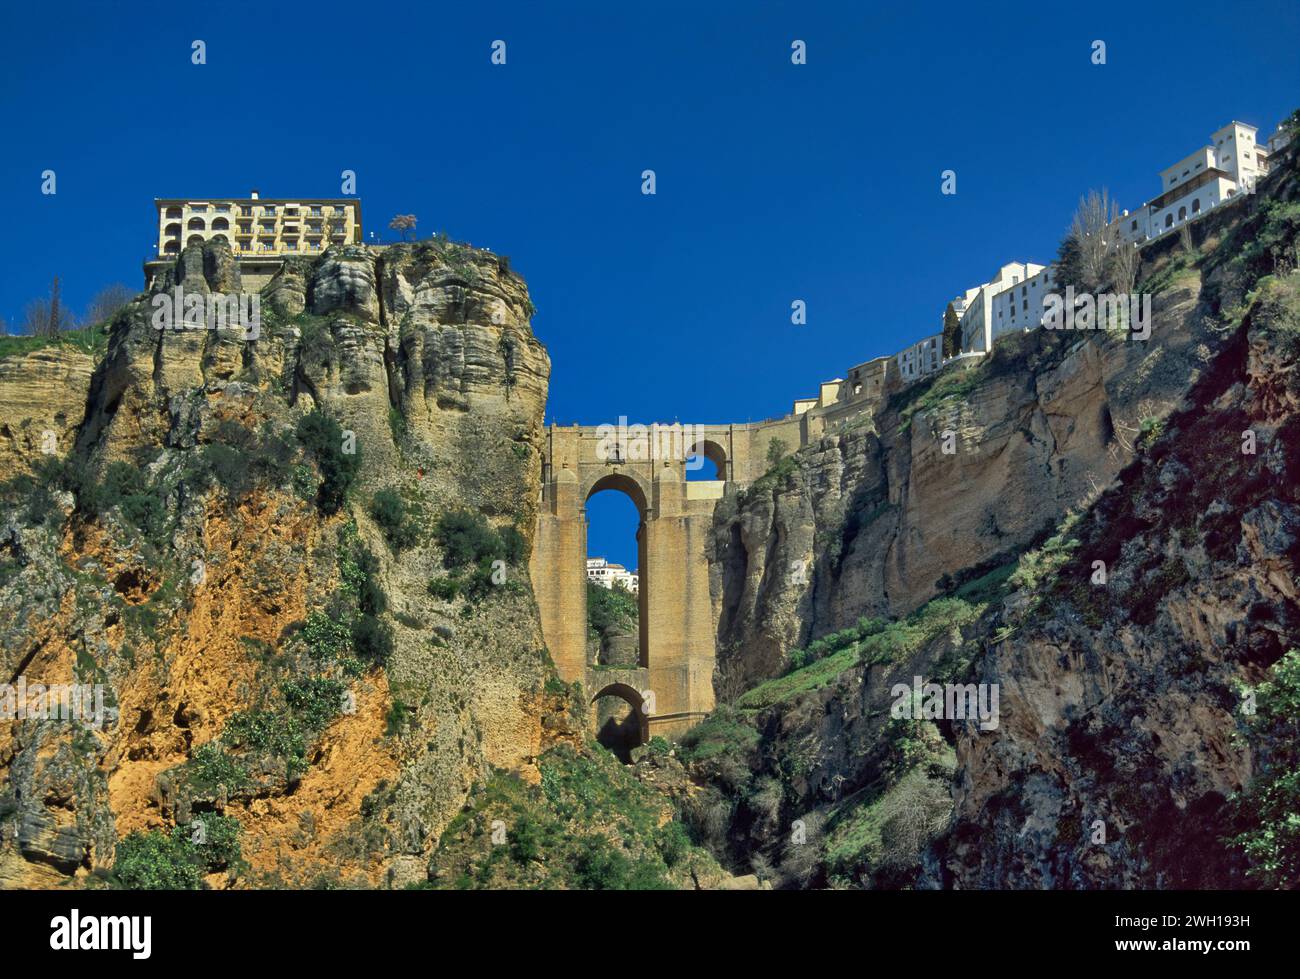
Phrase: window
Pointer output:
(1169, 220)
(1182, 213)
(1134, 226)
(1196, 205)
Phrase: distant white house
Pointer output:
(607, 575)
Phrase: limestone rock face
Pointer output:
(1120, 741)
(879, 518)
(42, 402)
(424, 355)
(1119, 711)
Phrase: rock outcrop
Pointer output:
(181, 581)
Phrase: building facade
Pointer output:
(980, 324)
(257, 226)
(606, 575)
(1229, 165)
(920, 359)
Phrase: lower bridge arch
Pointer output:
(621, 721)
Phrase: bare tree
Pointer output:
(1124, 266)
(107, 302)
(47, 317)
(1092, 236)
(36, 318)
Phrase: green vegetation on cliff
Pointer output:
(589, 825)
(1269, 807)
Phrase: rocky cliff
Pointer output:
(952, 534)
(293, 559)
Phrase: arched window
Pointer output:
(173, 212)
(220, 224)
(1169, 220)
(1196, 205)
(195, 224)
(194, 240)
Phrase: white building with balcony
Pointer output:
(1229, 165)
(608, 575)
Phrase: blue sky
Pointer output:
(775, 182)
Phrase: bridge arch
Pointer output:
(631, 487)
(712, 451)
(677, 622)
(627, 483)
(620, 729)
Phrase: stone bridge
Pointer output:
(671, 687)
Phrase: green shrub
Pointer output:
(211, 769)
(359, 569)
(390, 511)
(326, 638)
(372, 640)
(274, 732)
(323, 437)
(467, 538)
(315, 700)
(213, 840)
(230, 468)
(674, 843)
(1268, 806)
(600, 866)
(610, 608)
(178, 860)
(445, 588)
(397, 718)
(156, 861)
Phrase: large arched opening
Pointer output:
(618, 580)
(621, 722)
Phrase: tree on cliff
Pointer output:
(402, 223)
(1084, 253)
(107, 302)
(951, 332)
(47, 317)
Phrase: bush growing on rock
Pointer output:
(390, 511)
(323, 437)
